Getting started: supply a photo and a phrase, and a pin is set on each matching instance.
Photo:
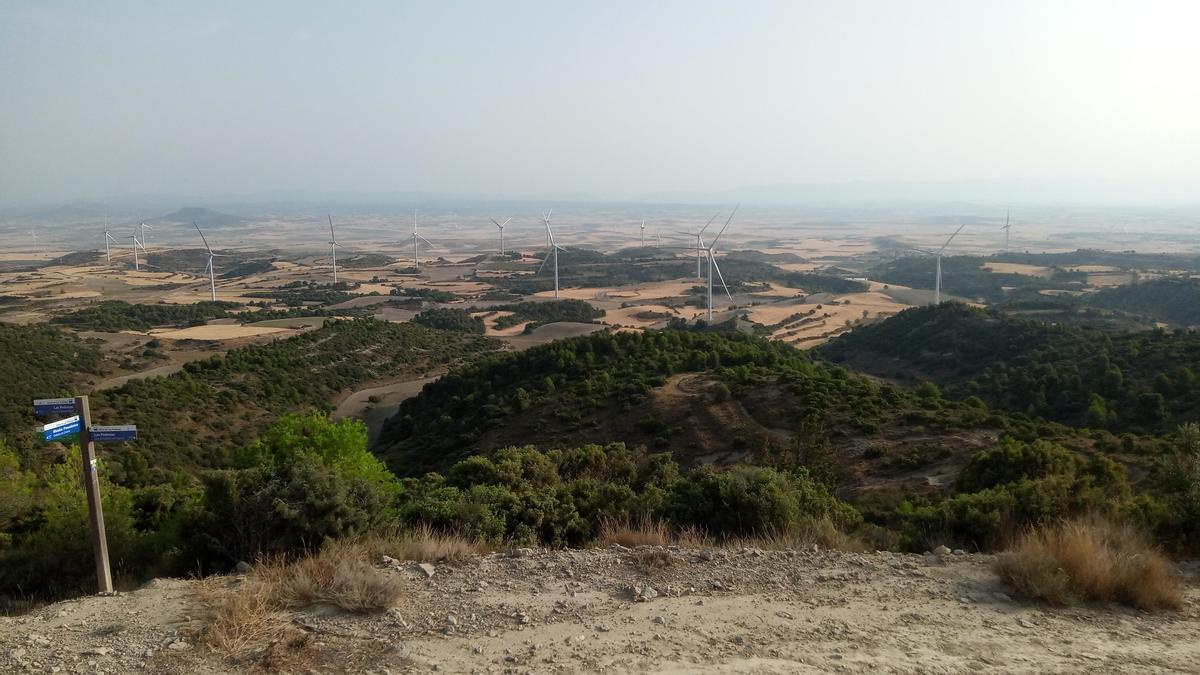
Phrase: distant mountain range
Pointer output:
(199, 215)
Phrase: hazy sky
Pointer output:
(606, 98)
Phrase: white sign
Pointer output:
(53, 401)
(70, 421)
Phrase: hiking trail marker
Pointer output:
(80, 422)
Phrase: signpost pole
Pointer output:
(91, 483)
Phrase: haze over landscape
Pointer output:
(668, 337)
(1023, 101)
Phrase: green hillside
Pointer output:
(1138, 381)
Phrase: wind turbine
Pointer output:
(136, 243)
(1007, 229)
(145, 227)
(212, 279)
(500, 226)
(700, 241)
(551, 249)
(712, 264)
(414, 238)
(107, 238)
(33, 233)
(643, 234)
(937, 284)
(333, 247)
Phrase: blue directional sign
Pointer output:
(61, 429)
(114, 434)
(48, 407)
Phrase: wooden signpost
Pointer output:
(81, 422)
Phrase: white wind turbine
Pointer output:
(937, 283)
(414, 238)
(500, 226)
(710, 251)
(212, 279)
(1007, 229)
(136, 265)
(552, 249)
(145, 227)
(333, 247)
(643, 234)
(700, 242)
(108, 238)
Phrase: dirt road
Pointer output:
(603, 610)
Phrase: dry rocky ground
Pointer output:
(620, 610)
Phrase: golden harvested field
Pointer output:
(1110, 279)
(627, 316)
(216, 332)
(1017, 268)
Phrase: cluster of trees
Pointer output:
(112, 316)
(590, 386)
(299, 293)
(547, 312)
(1140, 382)
(430, 294)
(307, 480)
(1173, 300)
(584, 268)
(451, 319)
(194, 417)
(37, 361)
(964, 276)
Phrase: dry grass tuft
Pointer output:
(424, 544)
(647, 531)
(249, 616)
(822, 533)
(653, 559)
(1090, 559)
(241, 619)
(339, 575)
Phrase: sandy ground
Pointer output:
(708, 611)
(1114, 279)
(489, 324)
(627, 316)
(388, 398)
(1017, 268)
(216, 332)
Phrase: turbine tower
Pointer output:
(107, 238)
(1007, 229)
(643, 234)
(937, 282)
(414, 238)
(709, 251)
(333, 247)
(212, 279)
(136, 266)
(551, 249)
(500, 226)
(145, 227)
(700, 242)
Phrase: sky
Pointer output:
(608, 99)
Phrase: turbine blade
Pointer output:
(545, 259)
(727, 221)
(943, 248)
(425, 240)
(710, 222)
(332, 236)
(494, 222)
(202, 237)
(720, 276)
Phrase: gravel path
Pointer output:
(614, 610)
